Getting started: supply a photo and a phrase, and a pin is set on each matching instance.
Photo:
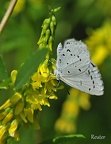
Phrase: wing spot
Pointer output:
(68, 43)
(80, 70)
(93, 64)
(63, 54)
(67, 63)
(89, 89)
(77, 56)
(93, 86)
(88, 72)
(68, 71)
(81, 83)
(74, 54)
(71, 54)
(68, 50)
(93, 82)
(91, 77)
(80, 59)
(60, 60)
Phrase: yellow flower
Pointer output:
(19, 6)
(11, 101)
(99, 42)
(21, 106)
(12, 129)
(40, 76)
(84, 101)
(65, 126)
(36, 99)
(2, 133)
(8, 117)
(4, 113)
(13, 76)
(100, 54)
(6, 105)
(70, 111)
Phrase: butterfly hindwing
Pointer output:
(89, 81)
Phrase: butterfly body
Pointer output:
(75, 68)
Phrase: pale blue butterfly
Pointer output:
(75, 68)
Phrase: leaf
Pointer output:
(67, 139)
(3, 71)
(5, 83)
(29, 67)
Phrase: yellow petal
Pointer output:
(19, 107)
(6, 105)
(8, 117)
(2, 131)
(13, 127)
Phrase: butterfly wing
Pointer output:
(75, 68)
(72, 57)
(89, 81)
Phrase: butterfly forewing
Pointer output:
(71, 52)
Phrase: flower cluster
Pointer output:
(70, 111)
(99, 42)
(24, 104)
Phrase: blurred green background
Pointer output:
(76, 18)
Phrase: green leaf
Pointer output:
(29, 67)
(3, 71)
(67, 139)
(5, 83)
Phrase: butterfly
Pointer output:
(74, 67)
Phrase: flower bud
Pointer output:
(30, 114)
(8, 117)
(13, 127)
(46, 24)
(19, 107)
(52, 27)
(4, 113)
(54, 19)
(6, 105)
(15, 98)
(57, 9)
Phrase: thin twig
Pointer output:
(7, 14)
